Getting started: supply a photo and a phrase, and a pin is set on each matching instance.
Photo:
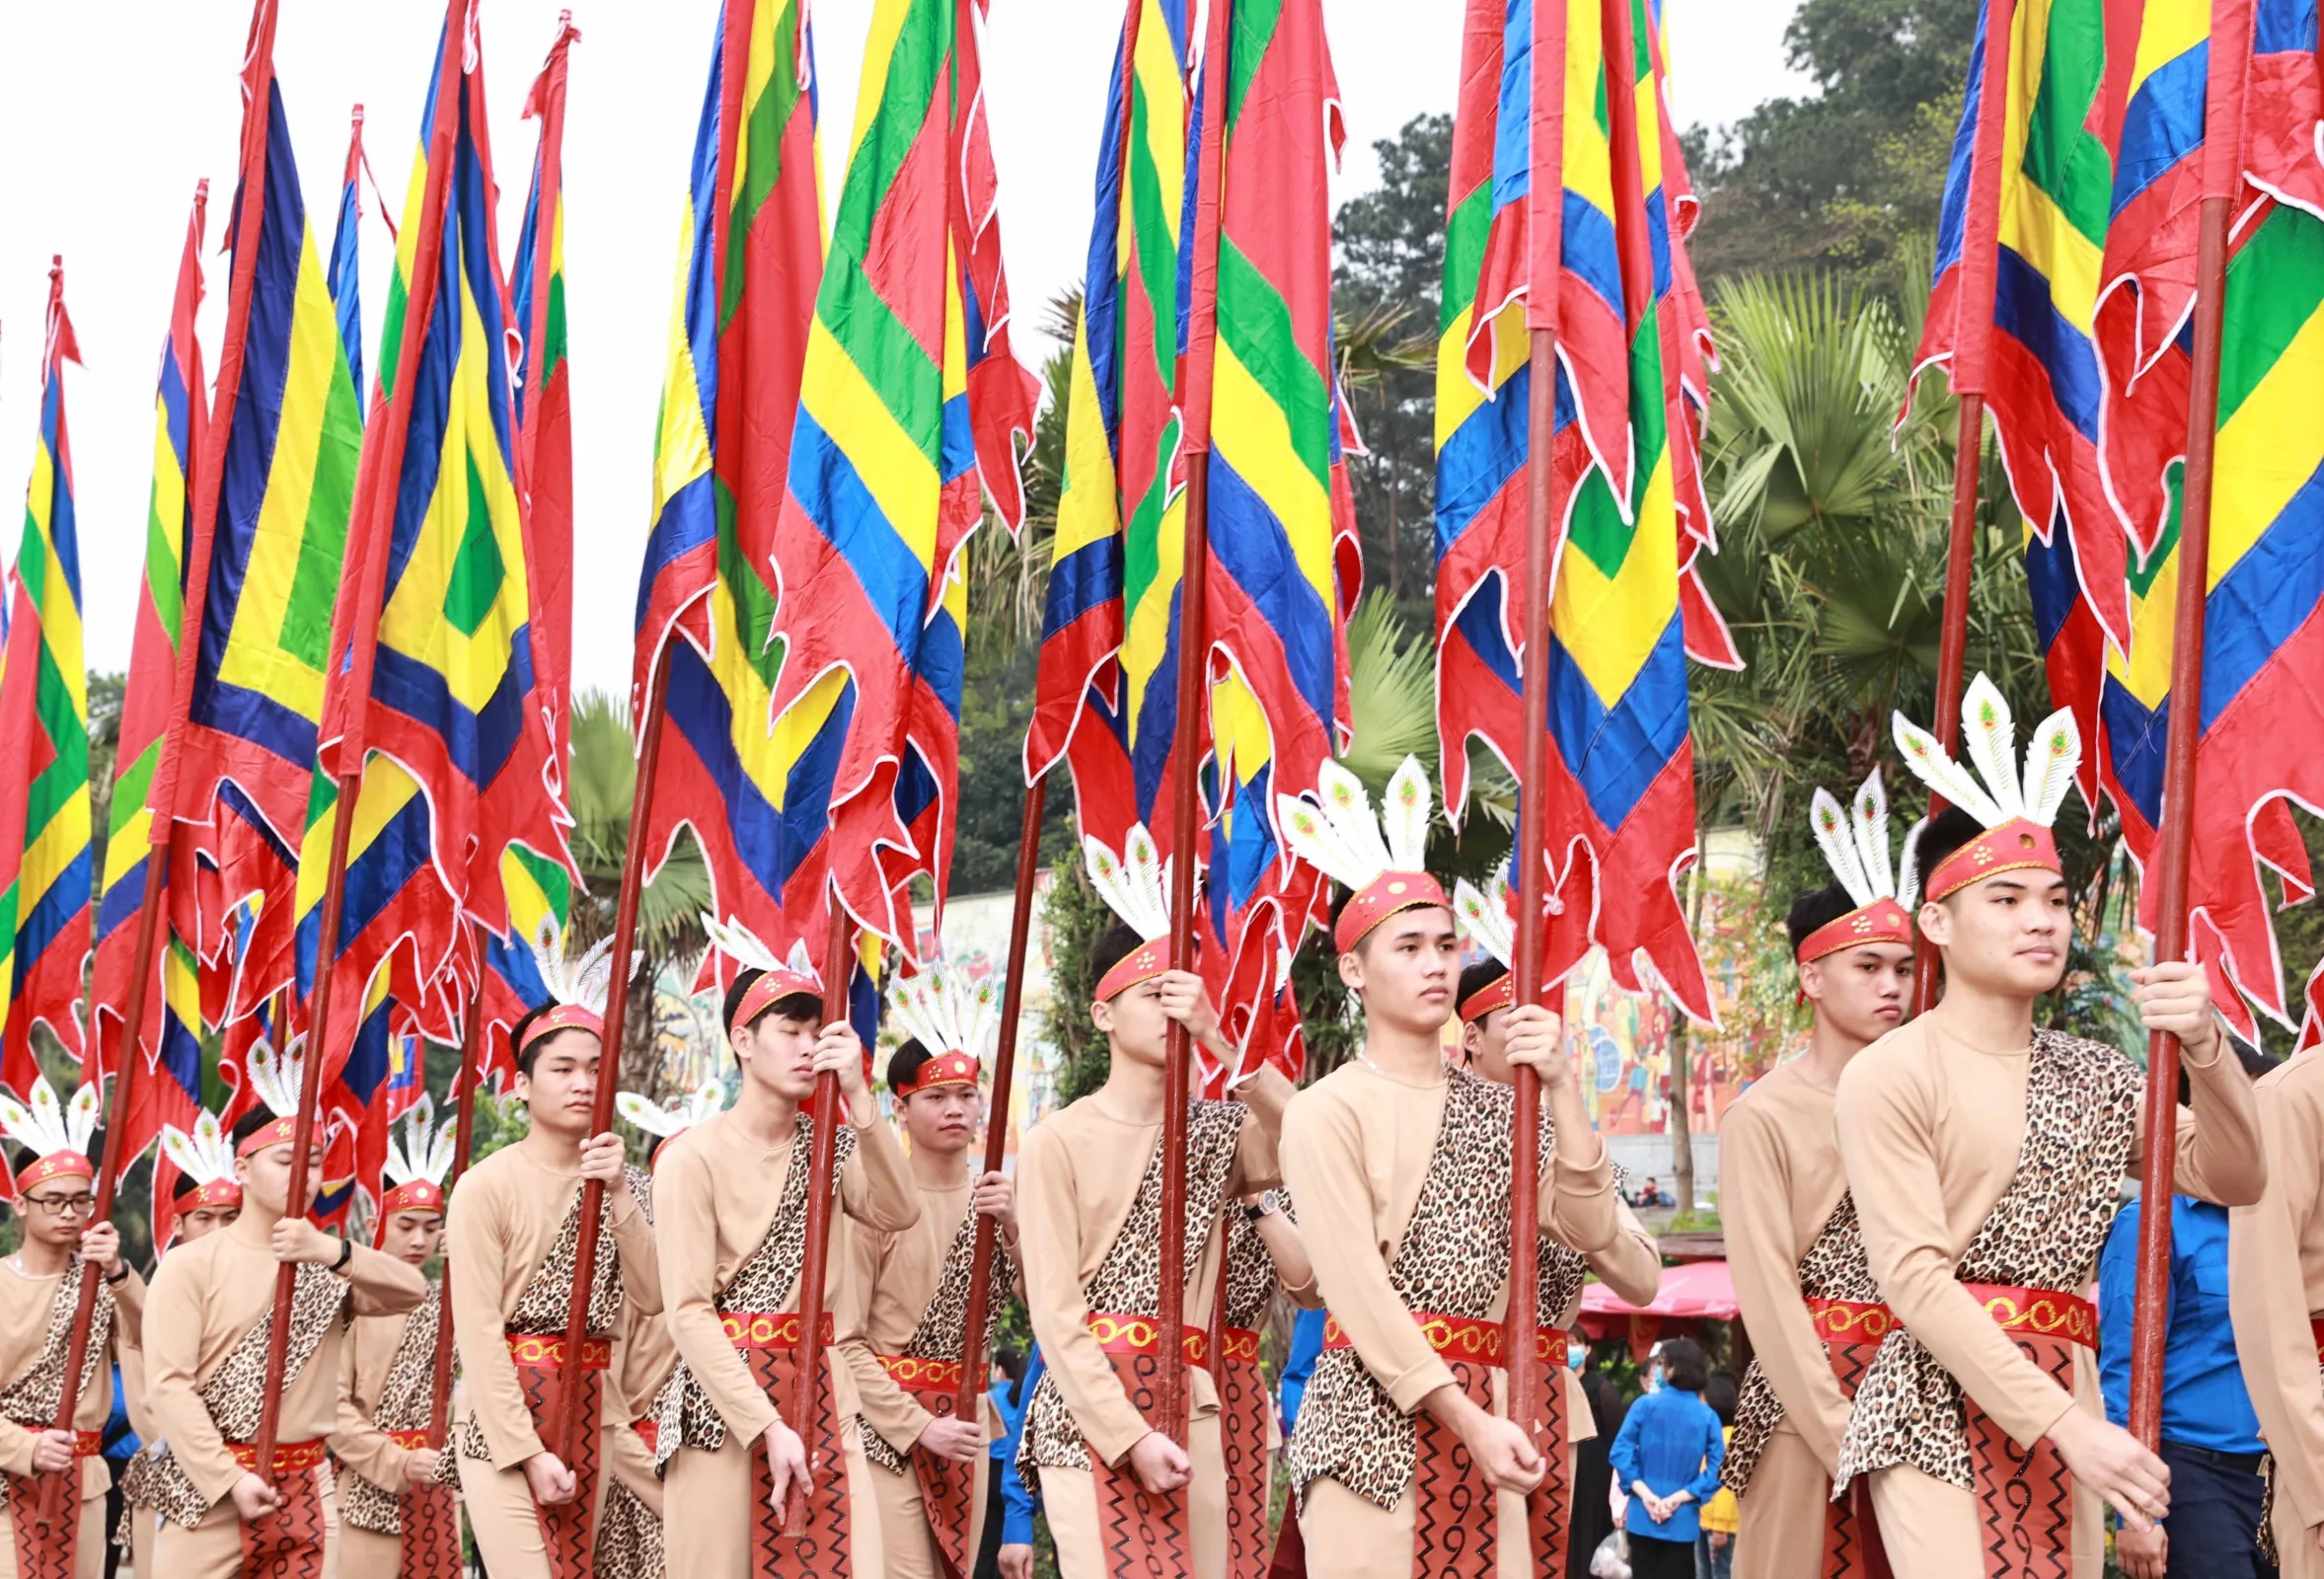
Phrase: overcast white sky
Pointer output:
(110, 114)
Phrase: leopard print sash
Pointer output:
(546, 1302)
(407, 1396)
(768, 1281)
(2082, 1107)
(1835, 1269)
(33, 1398)
(237, 1388)
(942, 1329)
(1129, 1280)
(1453, 1261)
(1251, 1278)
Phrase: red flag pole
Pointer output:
(2230, 54)
(822, 1160)
(617, 1005)
(1972, 351)
(439, 1409)
(161, 805)
(355, 631)
(980, 1261)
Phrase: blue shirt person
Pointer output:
(1306, 1346)
(1016, 1520)
(2211, 1437)
(1672, 1441)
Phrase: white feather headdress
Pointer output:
(944, 1012)
(203, 1156)
(581, 982)
(654, 1119)
(747, 950)
(1136, 885)
(1338, 834)
(1990, 738)
(277, 1077)
(49, 1125)
(1484, 915)
(422, 1155)
(1856, 846)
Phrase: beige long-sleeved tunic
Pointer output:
(716, 1196)
(2276, 1288)
(1929, 1129)
(1781, 1179)
(501, 1224)
(1356, 1149)
(364, 1359)
(28, 1306)
(205, 1297)
(891, 1277)
(1078, 1175)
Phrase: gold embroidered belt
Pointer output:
(769, 1329)
(289, 1456)
(545, 1351)
(2044, 1312)
(1121, 1334)
(916, 1375)
(411, 1441)
(1850, 1320)
(1461, 1337)
(1239, 1345)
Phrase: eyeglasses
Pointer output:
(64, 1205)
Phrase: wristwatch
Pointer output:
(1267, 1204)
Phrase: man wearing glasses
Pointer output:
(39, 1295)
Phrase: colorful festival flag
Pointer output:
(44, 861)
(1107, 695)
(149, 695)
(909, 407)
(1625, 612)
(751, 251)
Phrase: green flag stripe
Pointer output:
(1255, 322)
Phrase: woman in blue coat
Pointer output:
(1668, 1456)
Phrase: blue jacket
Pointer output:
(1017, 1500)
(2205, 1404)
(1670, 1439)
(1307, 1345)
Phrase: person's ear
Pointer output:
(1351, 970)
(1936, 922)
(1101, 1015)
(1811, 980)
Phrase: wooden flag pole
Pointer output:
(567, 1437)
(463, 1085)
(1972, 354)
(980, 1261)
(2222, 116)
(822, 1158)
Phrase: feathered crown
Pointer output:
(781, 979)
(204, 1157)
(577, 988)
(1383, 863)
(1136, 886)
(2017, 813)
(276, 1080)
(1854, 842)
(1484, 915)
(56, 1131)
(667, 1123)
(416, 1165)
(955, 1021)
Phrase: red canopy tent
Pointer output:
(1693, 1292)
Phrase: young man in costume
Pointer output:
(390, 1497)
(1805, 1289)
(733, 1224)
(1985, 1160)
(1401, 1167)
(1121, 1495)
(2275, 1291)
(907, 1294)
(209, 1317)
(54, 1200)
(513, 1238)
(1265, 1259)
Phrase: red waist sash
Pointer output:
(1850, 1320)
(916, 1375)
(1852, 1331)
(1460, 1337)
(411, 1441)
(289, 1456)
(2025, 1496)
(1239, 1345)
(546, 1351)
(1134, 1335)
(769, 1329)
(569, 1530)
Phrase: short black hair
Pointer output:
(1119, 943)
(1476, 978)
(516, 1039)
(183, 1187)
(1815, 910)
(1946, 832)
(903, 1064)
(791, 1006)
(1684, 1366)
(1009, 1361)
(1723, 1394)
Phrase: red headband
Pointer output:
(1499, 993)
(2017, 845)
(948, 1069)
(279, 1132)
(770, 988)
(419, 1195)
(221, 1192)
(1881, 922)
(1383, 897)
(1141, 964)
(56, 1164)
(564, 1016)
